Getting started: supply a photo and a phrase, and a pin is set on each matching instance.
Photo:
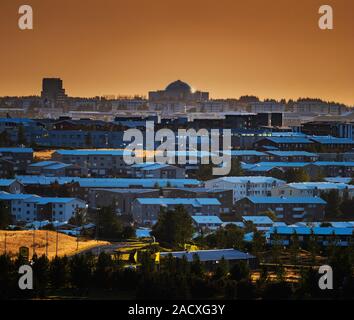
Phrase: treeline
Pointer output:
(87, 276)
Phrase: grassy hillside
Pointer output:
(67, 245)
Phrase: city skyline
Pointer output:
(229, 49)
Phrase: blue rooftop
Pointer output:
(258, 219)
(42, 163)
(109, 182)
(331, 140)
(236, 153)
(207, 219)
(17, 196)
(288, 140)
(17, 150)
(91, 152)
(290, 200)
(195, 202)
(292, 153)
(307, 231)
(6, 182)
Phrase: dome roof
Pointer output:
(178, 86)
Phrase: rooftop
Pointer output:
(195, 202)
(16, 150)
(258, 219)
(91, 152)
(316, 230)
(207, 219)
(290, 200)
(210, 255)
(250, 179)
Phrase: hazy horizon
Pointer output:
(230, 48)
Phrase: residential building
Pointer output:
(20, 157)
(206, 223)
(27, 207)
(56, 169)
(262, 223)
(286, 209)
(292, 156)
(11, 186)
(245, 186)
(225, 196)
(211, 258)
(312, 189)
(324, 236)
(147, 210)
(119, 199)
(156, 170)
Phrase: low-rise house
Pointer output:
(292, 156)
(21, 157)
(287, 209)
(262, 223)
(312, 189)
(285, 143)
(157, 171)
(225, 196)
(246, 186)
(248, 156)
(269, 168)
(333, 143)
(211, 258)
(11, 186)
(147, 210)
(102, 162)
(120, 199)
(56, 169)
(82, 186)
(203, 222)
(336, 168)
(27, 207)
(323, 235)
(7, 168)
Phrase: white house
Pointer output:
(246, 186)
(28, 207)
(207, 222)
(312, 189)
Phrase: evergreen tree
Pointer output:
(108, 225)
(296, 175)
(332, 209)
(294, 248)
(21, 137)
(222, 269)
(40, 268)
(240, 271)
(5, 216)
(174, 227)
(58, 272)
(258, 243)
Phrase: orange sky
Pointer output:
(228, 47)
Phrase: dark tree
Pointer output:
(174, 227)
(108, 224)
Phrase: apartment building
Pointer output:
(246, 186)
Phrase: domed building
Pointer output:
(178, 91)
(179, 86)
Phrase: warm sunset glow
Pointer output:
(230, 48)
